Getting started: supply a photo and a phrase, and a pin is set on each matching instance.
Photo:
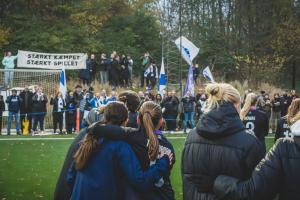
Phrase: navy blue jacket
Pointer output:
(102, 177)
(14, 103)
(138, 140)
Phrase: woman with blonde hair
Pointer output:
(283, 127)
(255, 121)
(277, 174)
(219, 144)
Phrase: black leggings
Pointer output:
(58, 119)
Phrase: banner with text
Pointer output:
(31, 59)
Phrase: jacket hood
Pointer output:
(221, 121)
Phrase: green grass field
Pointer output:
(29, 168)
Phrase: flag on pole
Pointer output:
(63, 83)
(162, 78)
(188, 50)
(208, 75)
(190, 83)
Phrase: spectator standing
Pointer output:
(70, 113)
(9, 64)
(146, 60)
(91, 67)
(170, 110)
(103, 68)
(13, 101)
(124, 75)
(114, 71)
(2, 109)
(130, 67)
(158, 99)
(285, 103)
(261, 99)
(188, 103)
(80, 101)
(59, 105)
(276, 110)
(293, 95)
(39, 109)
(196, 73)
(151, 75)
(26, 108)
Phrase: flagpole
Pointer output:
(180, 61)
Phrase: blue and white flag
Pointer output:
(63, 83)
(208, 75)
(162, 78)
(190, 83)
(188, 50)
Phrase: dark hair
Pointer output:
(114, 113)
(131, 100)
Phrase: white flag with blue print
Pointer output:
(188, 50)
(63, 83)
(208, 75)
(162, 82)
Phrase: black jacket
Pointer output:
(283, 129)
(54, 102)
(26, 104)
(278, 172)
(257, 123)
(218, 145)
(39, 105)
(171, 106)
(188, 104)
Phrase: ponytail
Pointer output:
(153, 142)
(218, 92)
(150, 114)
(250, 100)
(88, 146)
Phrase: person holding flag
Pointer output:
(162, 79)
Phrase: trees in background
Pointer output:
(257, 40)
(243, 39)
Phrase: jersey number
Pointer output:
(250, 127)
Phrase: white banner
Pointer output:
(29, 59)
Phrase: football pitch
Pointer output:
(29, 166)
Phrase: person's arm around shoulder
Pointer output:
(263, 184)
(142, 180)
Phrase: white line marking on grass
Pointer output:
(32, 138)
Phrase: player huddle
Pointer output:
(220, 160)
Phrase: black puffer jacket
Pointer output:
(278, 172)
(219, 145)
